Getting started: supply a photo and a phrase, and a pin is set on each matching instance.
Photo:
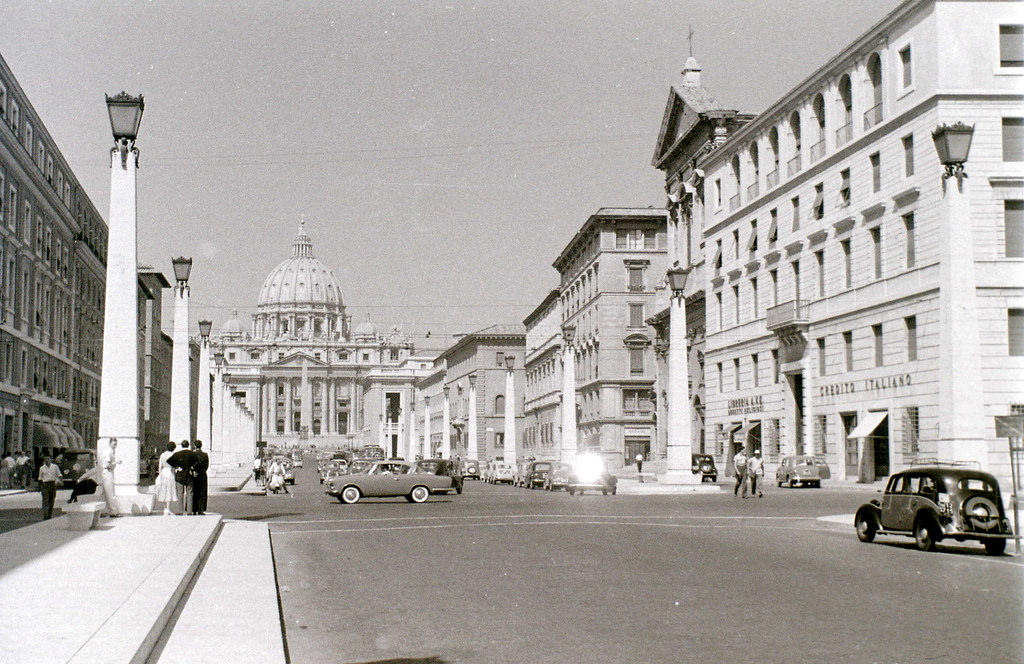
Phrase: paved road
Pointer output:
(508, 575)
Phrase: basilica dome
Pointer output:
(301, 281)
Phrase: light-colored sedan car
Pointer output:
(802, 470)
(501, 473)
(387, 479)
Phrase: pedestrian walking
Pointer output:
(739, 462)
(755, 471)
(6, 472)
(109, 486)
(200, 482)
(166, 490)
(640, 466)
(21, 469)
(49, 475)
(257, 470)
(182, 461)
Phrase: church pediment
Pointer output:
(678, 119)
(296, 360)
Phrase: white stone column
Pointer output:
(181, 398)
(330, 407)
(427, 450)
(288, 407)
(204, 421)
(510, 411)
(306, 395)
(413, 442)
(218, 442)
(272, 390)
(473, 449)
(569, 435)
(119, 396)
(680, 421)
(446, 425)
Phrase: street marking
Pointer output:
(549, 516)
(524, 523)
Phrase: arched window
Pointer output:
(874, 114)
(734, 202)
(818, 108)
(794, 130)
(499, 404)
(845, 131)
(755, 164)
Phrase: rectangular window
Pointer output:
(1013, 229)
(796, 213)
(650, 238)
(736, 300)
(820, 433)
(621, 238)
(773, 228)
(753, 295)
(845, 191)
(847, 263)
(721, 379)
(819, 257)
(818, 207)
(876, 243)
(911, 324)
(752, 242)
(911, 430)
(636, 278)
(822, 368)
(876, 332)
(775, 366)
(1013, 139)
(1011, 46)
(736, 244)
(754, 370)
(908, 155)
(636, 315)
(876, 172)
(908, 234)
(1015, 329)
(796, 279)
(736, 373)
(636, 360)
(718, 301)
(499, 359)
(774, 276)
(906, 67)
(718, 256)
(718, 192)
(848, 349)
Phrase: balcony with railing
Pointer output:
(787, 314)
(753, 191)
(844, 134)
(734, 203)
(772, 179)
(793, 166)
(872, 116)
(818, 150)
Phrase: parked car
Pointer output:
(558, 477)
(704, 464)
(932, 503)
(536, 473)
(801, 470)
(591, 472)
(297, 459)
(372, 452)
(392, 478)
(501, 473)
(471, 469)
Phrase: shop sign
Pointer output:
(866, 385)
(745, 405)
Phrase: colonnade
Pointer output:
(281, 397)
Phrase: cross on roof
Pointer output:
(689, 37)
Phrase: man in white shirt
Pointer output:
(49, 475)
(755, 471)
(739, 462)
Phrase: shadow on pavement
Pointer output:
(408, 660)
(264, 517)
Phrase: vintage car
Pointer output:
(501, 473)
(297, 459)
(932, 503)
(801, 470)
(536, 472)
(73, 463)
(471, 469)
(704, 464)
(591, 472)
(385, 479)
(558, 477)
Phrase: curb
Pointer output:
(837, 522)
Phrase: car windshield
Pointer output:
(542, 466)
(803, 461)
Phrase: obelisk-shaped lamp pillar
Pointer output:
(510, 410)
(446, 424)
(204, 416)
(680, 431)
(569, 434)
(472, 446)
(181, 402)
(119, 414)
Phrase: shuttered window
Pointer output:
(1013, 139)
(1011, 46)
(1015, 325)
(1013, 223)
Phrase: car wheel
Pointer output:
(924, 534)
(792, 483)
(572, 491)
(779, 482)
(995, 547)
(614, 490)
(458, 488)
(866, 526)
(350, 495)
(604, 492)
(981, 513)
(419, 494)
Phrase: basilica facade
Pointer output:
(306, 373)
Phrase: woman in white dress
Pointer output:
(166, 491)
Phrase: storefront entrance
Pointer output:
(849, 424)
(870, 439)
(634, 446)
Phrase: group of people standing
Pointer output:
(183, 476)
(15, 471)
(749, 470)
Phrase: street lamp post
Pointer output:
(428, 446)
(679, 433)
(446, 424)
(119, 396)
(204, 429)
(569, 436)
(510, 410)
(181, 406)
(218, 442)
(472, 446)
(960, 387)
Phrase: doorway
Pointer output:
(636, 446)
(850, 444)
(879, 441)
(796, 383)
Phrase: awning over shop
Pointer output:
(869, 424)
(747, 428)
(729, 428)
(77, 438)
(62, 435)
(43, 435)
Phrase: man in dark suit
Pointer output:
(182, 462)
(199, 481)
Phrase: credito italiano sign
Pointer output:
(866, 385)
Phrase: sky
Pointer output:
(441, 154)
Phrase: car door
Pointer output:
(374, 482)
(894, 502)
